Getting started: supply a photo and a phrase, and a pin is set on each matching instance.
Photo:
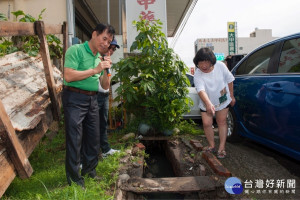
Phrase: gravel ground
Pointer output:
(250, 161)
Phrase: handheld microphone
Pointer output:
(107, 69)
(108, 72)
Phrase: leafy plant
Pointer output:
(116, 113)
(153, 82)
(189, 127)
(28, 44)
(3, 17)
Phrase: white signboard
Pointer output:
(148, 9)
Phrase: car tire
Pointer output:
(232, 135)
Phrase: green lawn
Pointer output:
(49, 180)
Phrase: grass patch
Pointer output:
(49, 178)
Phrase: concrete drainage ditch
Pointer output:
(175, 169)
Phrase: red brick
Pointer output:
(196, 144)
(140, 146)
(194, 141)
(215, 164)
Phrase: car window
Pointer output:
(290, 57)
(257, 63)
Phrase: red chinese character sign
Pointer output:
(149, 10)
(145, 3)
(148, 16)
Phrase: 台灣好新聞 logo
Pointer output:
(233, 185)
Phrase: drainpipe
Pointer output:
(71, 20)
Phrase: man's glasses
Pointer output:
(112, 48)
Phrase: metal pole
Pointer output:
(108, 11)
(71, 20)
(120, 17)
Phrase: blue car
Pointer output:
(267, 92)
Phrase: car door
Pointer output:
(282, 102)
(251, 78)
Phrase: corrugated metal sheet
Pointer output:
(23, 89)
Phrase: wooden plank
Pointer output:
(7, 172)
(44, 50)
(16, 29)
(169, 185)
(29, 140)
(161, 138)
(13, 146)
(26, 29)
(53, 29)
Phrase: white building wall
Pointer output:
(244, 44)
(55, 13)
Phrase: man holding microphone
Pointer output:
(82, 70)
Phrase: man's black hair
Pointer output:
(205, 54)
(100, 28)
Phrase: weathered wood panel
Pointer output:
(25, 29)
(37, 111)
(29, 139)
(170, 185)
(23, 89)
(13, 146)
(48, 69)
(7, 172)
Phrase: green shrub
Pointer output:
(153, 82)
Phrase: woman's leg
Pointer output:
(207, 121)
(221, 117)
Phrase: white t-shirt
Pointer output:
(100, 89)
(215, 84)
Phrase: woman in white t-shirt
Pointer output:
(214, 84)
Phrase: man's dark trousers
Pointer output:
(103, 104)
(82, 131)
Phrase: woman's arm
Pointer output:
(210, 108)
(230, 86)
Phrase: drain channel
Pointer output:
(158, 166)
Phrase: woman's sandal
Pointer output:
(209, 149)
(221, 154)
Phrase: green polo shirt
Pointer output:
(80, 57)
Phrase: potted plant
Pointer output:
(153, 81)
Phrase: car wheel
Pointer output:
(232, 135)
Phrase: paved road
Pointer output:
(252, 162)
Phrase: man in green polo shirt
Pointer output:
(83, 70)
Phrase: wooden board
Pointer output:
(25, 29)
(157, 138)
(169, 185)
(44, 50)
(29, 140)
(12, 144)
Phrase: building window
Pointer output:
(240, 48)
